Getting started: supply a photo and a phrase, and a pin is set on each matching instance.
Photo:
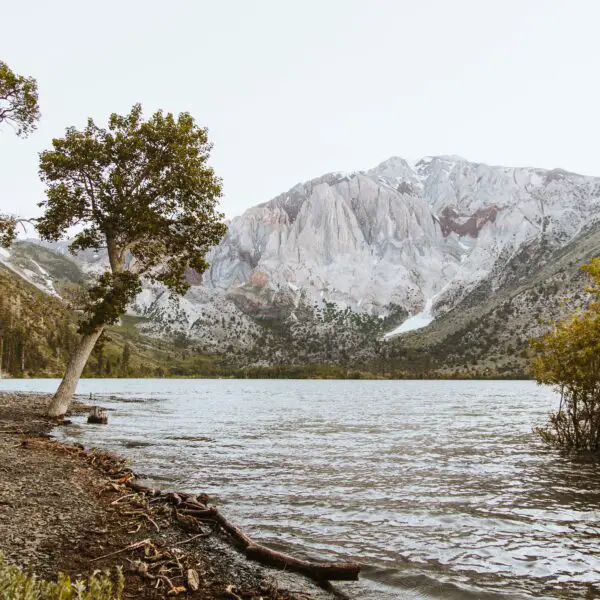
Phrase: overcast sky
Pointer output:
(292, 89)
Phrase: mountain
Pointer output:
(345, 267)
(38, 326)
(487, 332)
(397, 235)
(36, 332)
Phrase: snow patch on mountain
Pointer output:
(414, 322)
(31, 271)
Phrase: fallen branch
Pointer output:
(316, 570)
(264, 555)
(321, 571)
(152, 521)
(122, 498)
(205, 513)
(194, 537)
(231, 529)
(130, 547)
(142, 488)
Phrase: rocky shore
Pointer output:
(64, 508)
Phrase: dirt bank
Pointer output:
(65, 508)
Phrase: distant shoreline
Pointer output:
(266, 376)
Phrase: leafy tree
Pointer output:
(142, 190)
(568, 358)
(125, 358)
(18, 101)
(19, 108)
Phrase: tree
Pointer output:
(568, 358)
(125, 358)
(143, 191)
(18, 101)
(19, 108)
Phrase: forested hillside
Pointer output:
(485, 335)
(37, 332)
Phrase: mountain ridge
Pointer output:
(322, 272)
(445, 210)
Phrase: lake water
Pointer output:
(439, 488)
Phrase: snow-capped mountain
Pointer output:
(350, 256)
(419, 236)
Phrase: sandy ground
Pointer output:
(65, 508)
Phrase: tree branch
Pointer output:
(18, 220)
(90, 191)
(128, 248)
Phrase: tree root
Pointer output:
(193, 510)
(318, 571)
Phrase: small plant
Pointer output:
(17, 585)
(568, 358)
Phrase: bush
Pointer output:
(568, 358)
(16, 585)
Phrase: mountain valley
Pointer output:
(337, 271)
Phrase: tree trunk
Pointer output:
(62, 399)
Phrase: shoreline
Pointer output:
(70, 509)
(370, 377)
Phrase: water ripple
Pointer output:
(439, 488)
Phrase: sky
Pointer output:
(292, 89)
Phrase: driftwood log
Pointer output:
(195, 506)
(320, 571)
(98, 415)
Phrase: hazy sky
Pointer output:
(292, 89)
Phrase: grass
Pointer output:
(17, 585)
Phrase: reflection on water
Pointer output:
(439, 488)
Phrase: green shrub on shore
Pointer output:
(568, 358)
(17, 585)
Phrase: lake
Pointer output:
(439, 488)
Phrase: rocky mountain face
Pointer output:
(487, 332)
(397, 235)
(324, 271)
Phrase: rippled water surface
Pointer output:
(439, 488)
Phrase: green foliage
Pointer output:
(16, 585)
(568, 358)
(37, 332)
(8, 229)
(312, 371)
(142, 189)
(18, 101)
(108, 299)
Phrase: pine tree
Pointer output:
(125, 358)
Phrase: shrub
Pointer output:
(17, 585)
(568, 358)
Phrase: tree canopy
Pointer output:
(568, 358)
(18, 101)
(143, 191)
(140, 189)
